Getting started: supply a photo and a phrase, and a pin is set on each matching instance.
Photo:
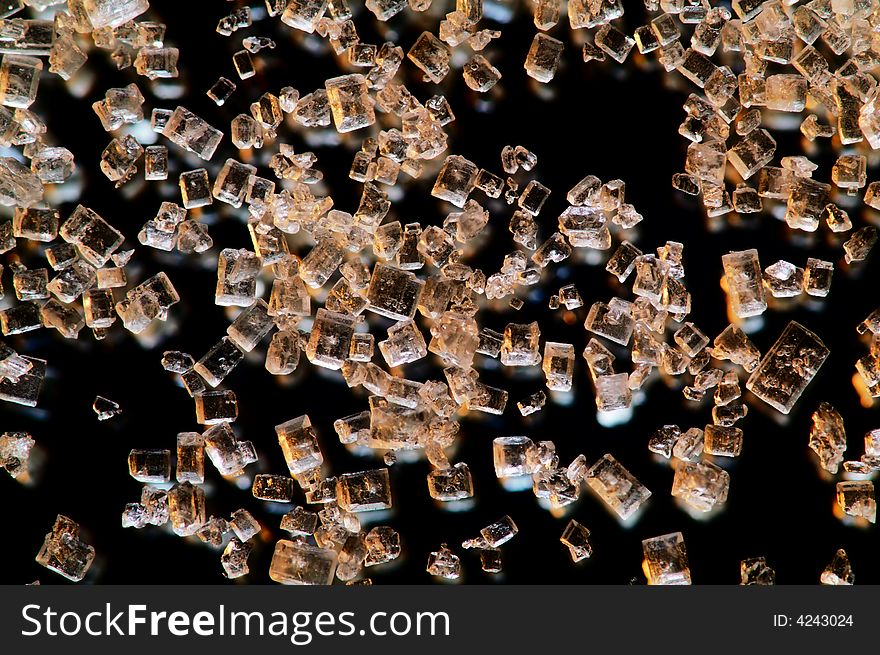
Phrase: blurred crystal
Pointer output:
(828, 437)
(839, 571)
(577, 538)
(755, 571)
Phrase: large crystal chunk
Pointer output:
(788, 367)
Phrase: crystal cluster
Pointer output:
(330, 287)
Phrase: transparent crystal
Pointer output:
(788, 367)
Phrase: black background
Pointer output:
(609, 120)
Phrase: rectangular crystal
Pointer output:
(616, 486)
(777, 380)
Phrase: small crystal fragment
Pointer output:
(226, 452)
(186, 509)
(105, 408)
(828, 437)
(15, 451)
(444, 563)
(755, 571)
(577, 538)
(860, 244)
(64, 552)
(838, 571)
